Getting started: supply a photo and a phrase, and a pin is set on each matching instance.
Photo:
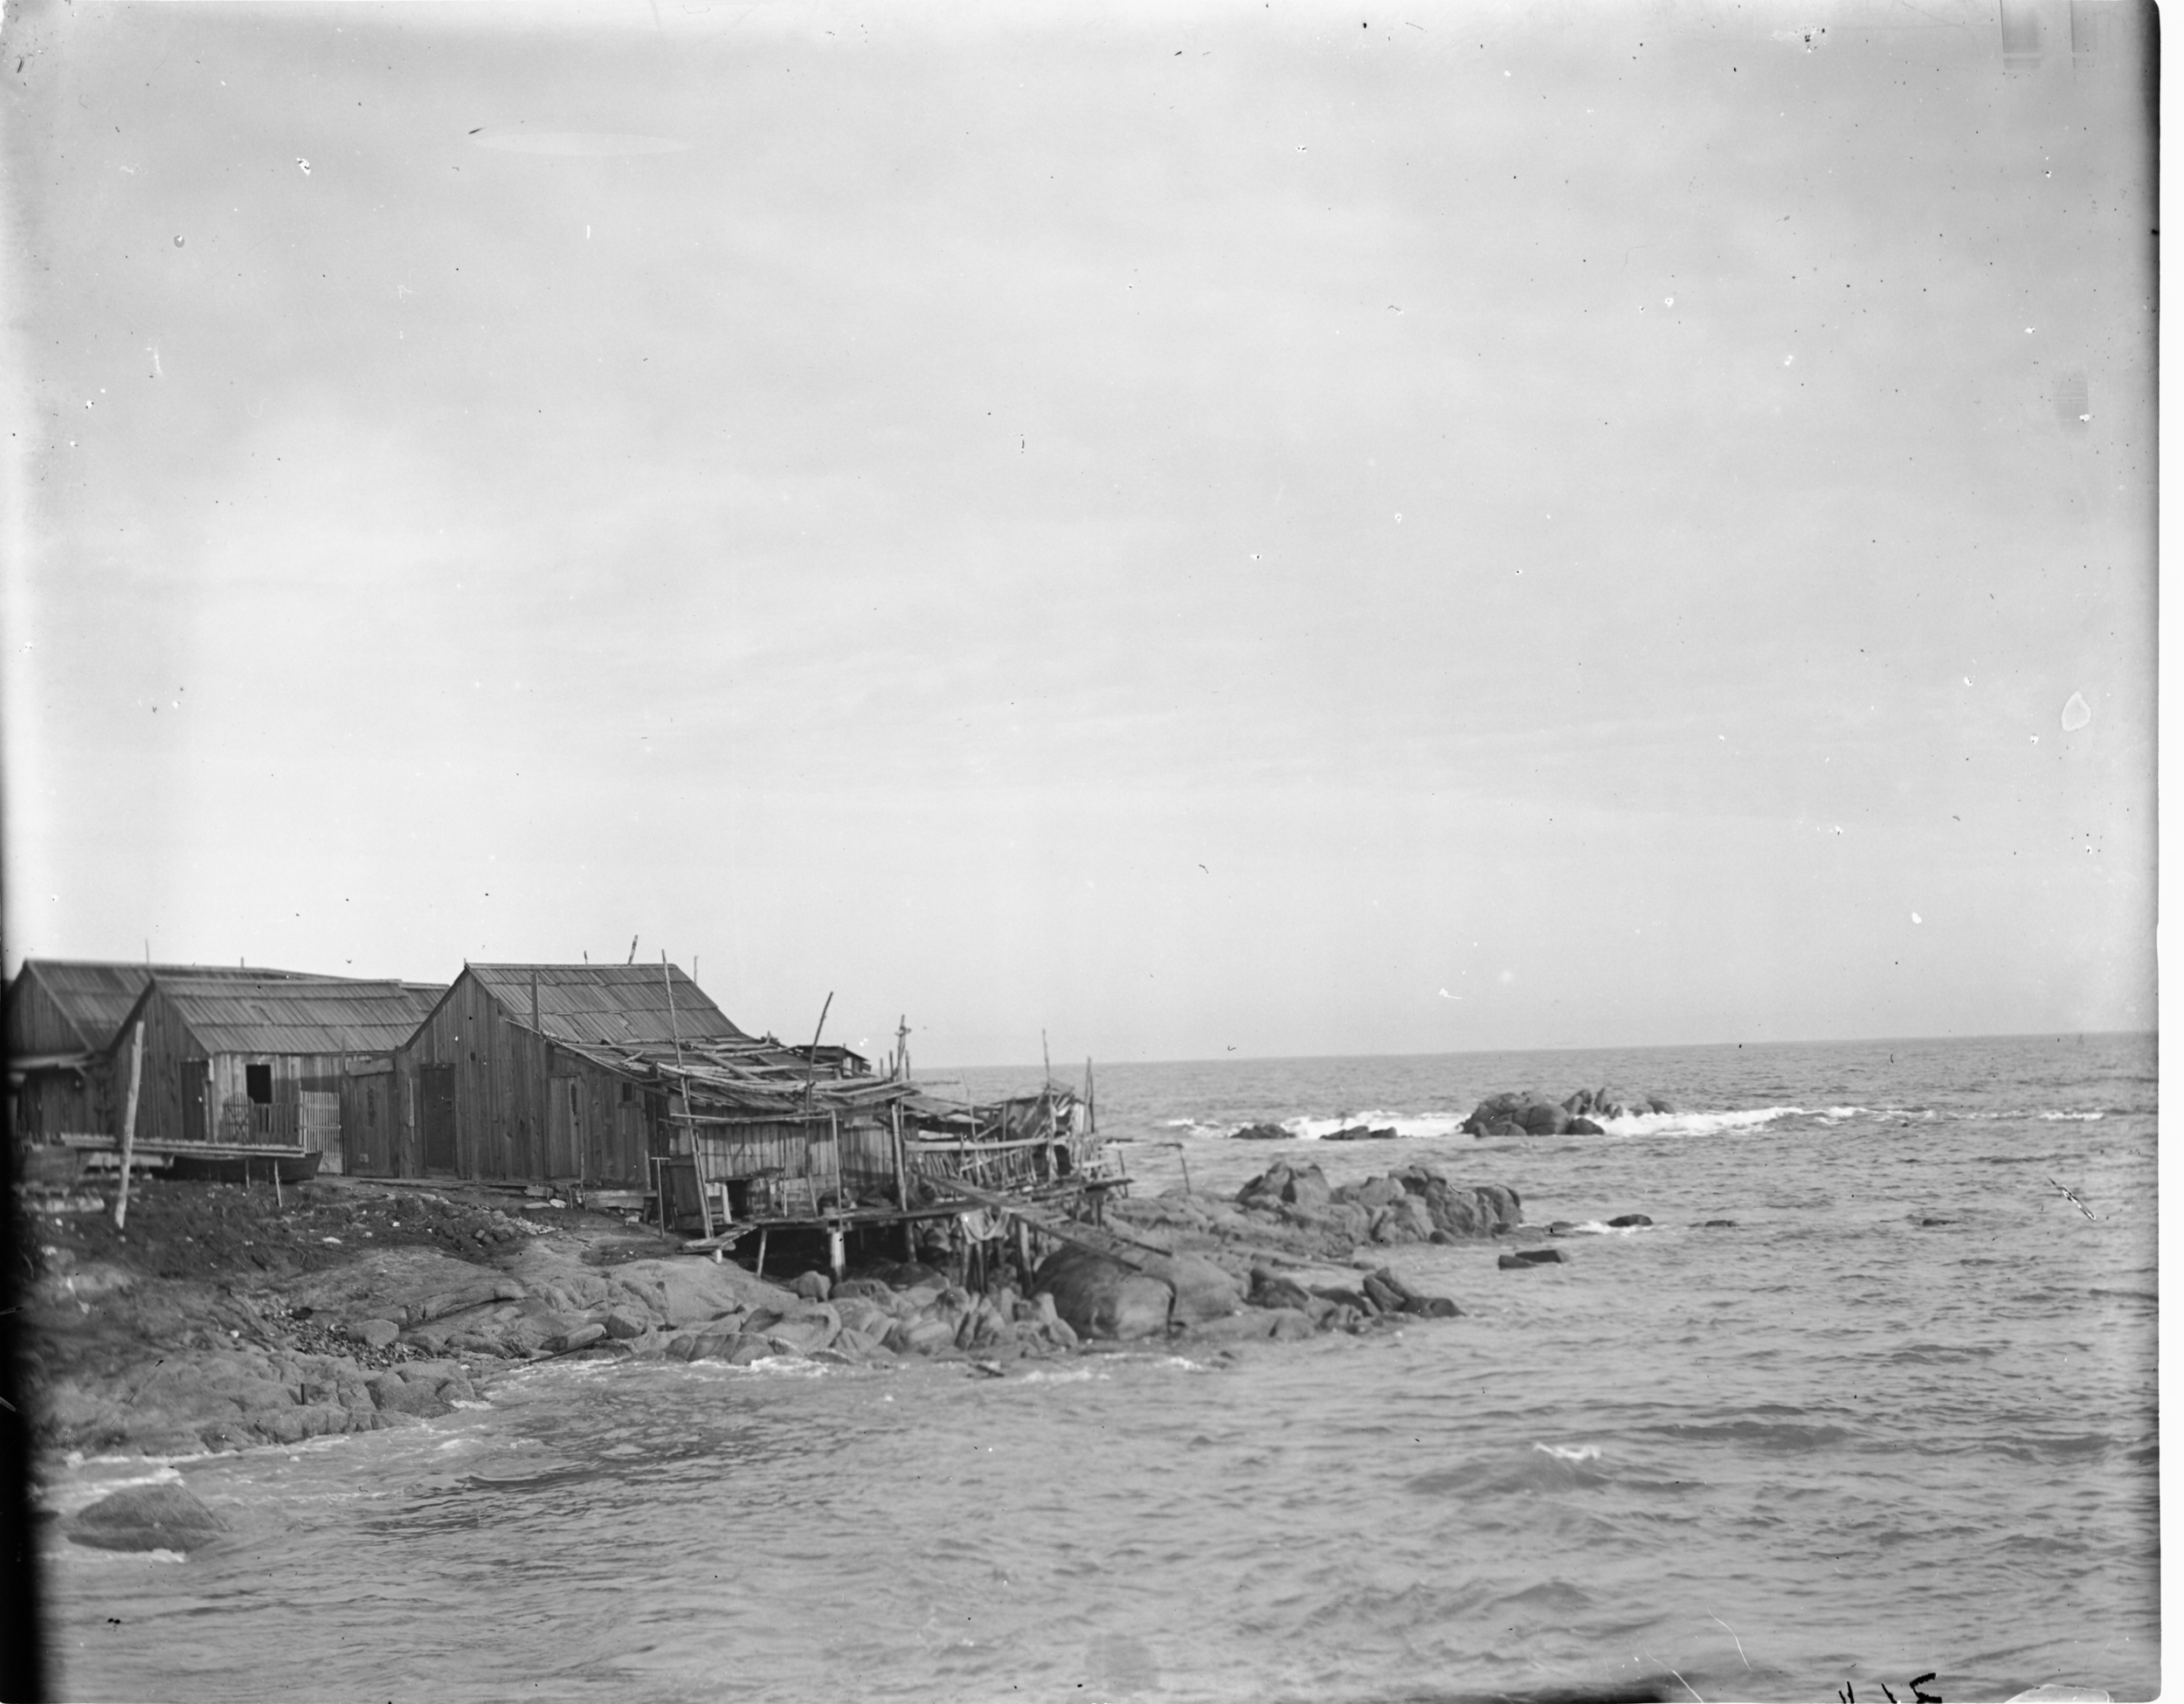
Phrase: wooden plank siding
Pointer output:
(36, 1022)
(525, 1110)
(803, 1147)
(185, 1088)
(371, 1126)
(170, 1050)
(52, 1103)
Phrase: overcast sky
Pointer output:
(1240, 527)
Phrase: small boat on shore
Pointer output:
(243, 1165)
(205, 1162)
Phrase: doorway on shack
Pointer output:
(565, 1128)
(439, 1117)
(193, 1123)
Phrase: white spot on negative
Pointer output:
(1916, 918)
(2076, 713)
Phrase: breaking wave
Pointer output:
(1311, 1126)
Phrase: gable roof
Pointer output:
(93, 997)
(242, 1015)
(608, 1003)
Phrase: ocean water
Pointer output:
(1898, 1419)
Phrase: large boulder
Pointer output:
(800, 1328)
(1284, 1185)
(683, 1292)
(1507, 1108)
(861, 1313)
(1602, 1103)
(1203, 1290)
(1530, 1112)
(420, 1387)
(1102, 1297)
(148, 1517)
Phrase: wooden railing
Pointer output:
(257, 1122)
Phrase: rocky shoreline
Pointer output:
(225, 1319)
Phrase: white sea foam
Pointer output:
(98, 1555)
(1680, 1124)
(1315, 1127)
(1404, 1124)
(101, 1477)
(784, 1366)
(1569, 1451)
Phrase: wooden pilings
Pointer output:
(129, 1128)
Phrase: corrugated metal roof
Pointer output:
(232, 1014)
(96, 995)
(608, 1002)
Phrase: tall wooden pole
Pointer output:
(545, 1122)
(811, 1071)
(689, 1115)
(129, 1128)
(903, 1188)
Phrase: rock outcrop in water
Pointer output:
(226, 1318)
(147, 1517)
(1297, 1205)
(1529, 1113)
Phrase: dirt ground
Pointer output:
(230, 1231)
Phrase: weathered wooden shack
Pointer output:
(63, 1016)
(284, 1063)
(516, 1076)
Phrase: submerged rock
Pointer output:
(1262, 1132)
(148, 1517)
(1530, 1257)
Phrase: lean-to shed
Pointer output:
(289, 1063)
(63, 1016)
(513, 1077)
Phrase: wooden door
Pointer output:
(565, 1128)
(193, 1124)
(437, 1114)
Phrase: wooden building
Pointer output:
(295, 1062)
(523, 1073)
(63, 1016)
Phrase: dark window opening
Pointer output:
(258, 1083)
(626, 1092)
